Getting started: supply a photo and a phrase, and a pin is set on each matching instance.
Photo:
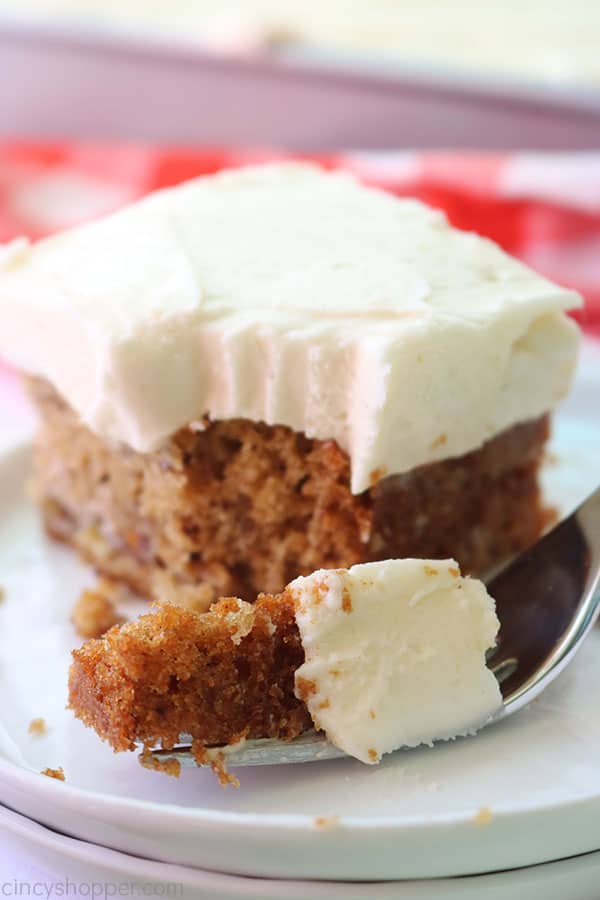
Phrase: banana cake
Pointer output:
(265, 373)
(275, 369)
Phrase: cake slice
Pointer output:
(379, 656)
(276, 369)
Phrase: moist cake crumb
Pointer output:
(37, 727)
(95, 611)
(483, 816)
(58, 773)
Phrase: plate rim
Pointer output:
(53, 803)
(71, 848)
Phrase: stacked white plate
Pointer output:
(54, 858)
(520, 794)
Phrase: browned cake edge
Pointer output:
(218, 676)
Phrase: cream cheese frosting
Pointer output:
(395, 654)
(285, 294)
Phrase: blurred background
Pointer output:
(550, 41)
(489, 109)
(305, 73)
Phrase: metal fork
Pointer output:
(547, 600)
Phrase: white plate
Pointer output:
(414, 816)
(66, 858)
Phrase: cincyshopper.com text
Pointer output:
(95, 890)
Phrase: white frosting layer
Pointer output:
(283, 294)
(395, 654)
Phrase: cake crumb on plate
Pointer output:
(57, 774)
(326, 823)
(37, 727)
(483, 816)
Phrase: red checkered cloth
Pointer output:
(542, 208)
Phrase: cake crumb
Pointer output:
(430, 570)
(483, 816)
(373, 754)
(170, 766)
(326, 823)
(58, 773)
(346, 601)
(372, 713)
(320, 591)
(95, 611)
(324, 704)
(454, 572)
(37, 727)
(207, 756)
(335, 673)
(2, 595)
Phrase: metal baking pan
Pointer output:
(58, 82)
